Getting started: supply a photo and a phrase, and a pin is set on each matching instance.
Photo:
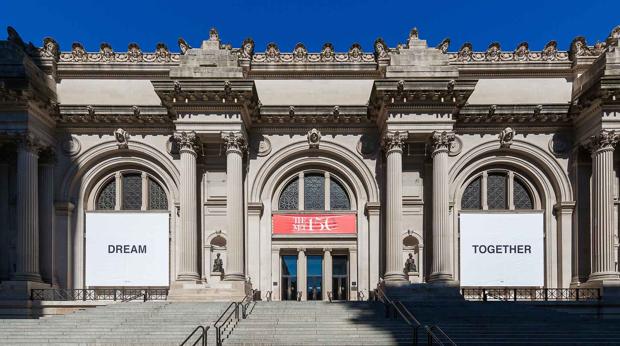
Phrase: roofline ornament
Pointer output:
(444, 45)
(183, 46)
(247, 49)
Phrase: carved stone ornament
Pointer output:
(444, 45)
(90, 110)
(235, 141)
(50, 48)
(506, 136)
(162, 53)
(106, 51)
(30, 143)
(613, 38)
(327, 52)
(456, 146)
(272, 54)
(522, 51)
(78, 52)
(247, 49)
(493, 52)
(314, 138)
(394, 141)
(560, 145)
(122, 138)
(300, 53)
(213, 35)
(550, 50)
(381, 49)
(414, 35)
(264, 146)
(605, 140)
(355, 52)
(579, 47)
(135, 110)
(465, 53)
(183, 46)
(186, 140)
(442, 140)
(71, 146)
(134, 53)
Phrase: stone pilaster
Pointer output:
(188, 236)
(47, 160)
(327, 272)
(302, 283)
(393, 145)
(602, 148)
(235, 149)
(441, 264)
(27, 268)
(4, 213)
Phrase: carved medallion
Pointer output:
(455, 146)
(560, 145)
(314, 138)
(71, 146)
(263, 146)
(367, 144)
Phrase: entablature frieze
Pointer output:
(526, 115)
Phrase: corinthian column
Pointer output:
(441, 265)
(188, 237)
(603, 260)
(235, 147)
(27, 266)
(393, 145)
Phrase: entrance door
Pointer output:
(289, 277)
(315, 278)
(340, 278)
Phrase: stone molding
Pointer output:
(134, 54)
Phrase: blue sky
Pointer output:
(312, 22)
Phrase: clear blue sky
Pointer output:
(312, 22)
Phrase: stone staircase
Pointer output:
(516, 323)
(319, 323)
(150, 323)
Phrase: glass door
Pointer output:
(289, 277)
(340, 278)
(315, 278)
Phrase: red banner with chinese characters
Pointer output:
(314, 224)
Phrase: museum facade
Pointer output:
(308, 175)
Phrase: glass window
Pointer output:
(522, 198)
(496, 191)
(289, 199)
(107, 197)
(338, 198)
(314, 192)
(471, 196)
(157, 196)
(132, 191)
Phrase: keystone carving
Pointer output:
(122, 138)
(505, 137)
(314, 138)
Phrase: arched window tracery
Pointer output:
(497, 190)
(314, 190)
(134, 190)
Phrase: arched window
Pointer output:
(314, 191)
(134, 190)
(497, 190)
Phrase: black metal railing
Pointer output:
(245, 303)
(436, 336)
(395, 309)
(226, 322)
(98, 294)
(531, 294)
(202, 338)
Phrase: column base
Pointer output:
(441, 278)
(399, 277)
(188, 277)
(604, 277)
(33, 277)
(19, 290)
(234, 277)
(181, 291)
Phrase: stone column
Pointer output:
(301, 273)
(4, 216)
(27, 268)
(441, 265)
(393, 145)
(602, 148)
(188, 236)
(235, 148)
(327, 272)
(46, 214)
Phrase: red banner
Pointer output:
(314, 224)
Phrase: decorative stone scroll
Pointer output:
(521, 53)
(272, 55)
(133, 55)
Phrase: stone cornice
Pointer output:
(526, 115)
(309, 115)
(93, 118)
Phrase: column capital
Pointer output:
(235, 142)
(441, 141)
(605, 140)
(29, 142)
(188, 141)
(394, 140)
(47, 156)
(327, 249)
(301, 249)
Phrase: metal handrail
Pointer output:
(226, 316)
(249, 298)
(299, 293)
(134, 297)
(329, 296)
(203, 336)
(432, 336)
(400, 309)
(531, 294)
(96, 294)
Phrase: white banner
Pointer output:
(502, 249)
(127, 249)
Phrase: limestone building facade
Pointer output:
(309, 174)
